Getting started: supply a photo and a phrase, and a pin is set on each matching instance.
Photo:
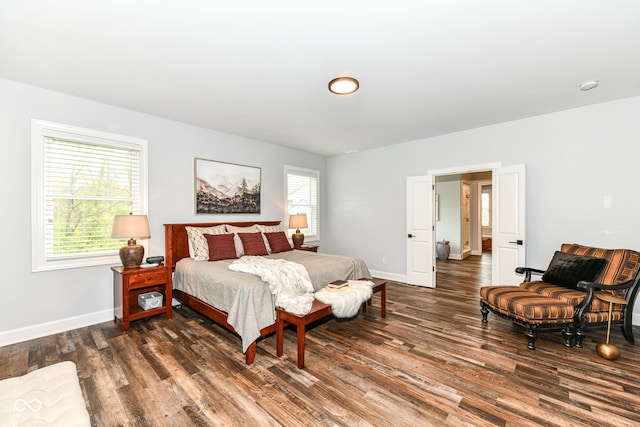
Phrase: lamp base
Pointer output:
(131, 255)
(608, 351)
(298, 239)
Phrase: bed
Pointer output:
(241, 302)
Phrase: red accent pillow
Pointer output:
(278, 242)
(253, 244)
(221, 246)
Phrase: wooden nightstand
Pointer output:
(309, 248)
(128, 283)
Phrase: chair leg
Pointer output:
(531, 335)
(485, 311)
(569, 337)
(579, 337)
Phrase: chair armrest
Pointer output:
(586, 286)
(528, 271)
(590, 288)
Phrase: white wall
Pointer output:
(574, 159)
(45, 302)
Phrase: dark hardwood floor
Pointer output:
(430, 362)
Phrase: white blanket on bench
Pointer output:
(345, 302)
(288, 281)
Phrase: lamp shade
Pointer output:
(298, 221)
(130, 227)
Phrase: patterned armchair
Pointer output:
(565, 298)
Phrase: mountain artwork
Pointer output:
(226, 188)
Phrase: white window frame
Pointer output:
(288, 169)
(39, 131)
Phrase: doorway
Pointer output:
(461, 214)
(507, 219)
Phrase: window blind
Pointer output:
(302, 197)
(85, 185)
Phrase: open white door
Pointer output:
(508, 207)
(420, 231)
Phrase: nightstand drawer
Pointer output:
(146, 279)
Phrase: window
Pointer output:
(80, 179)
(486, 206)
(302, 189)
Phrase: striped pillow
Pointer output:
(621, 267)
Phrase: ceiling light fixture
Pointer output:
(344, 85)
(588, 85)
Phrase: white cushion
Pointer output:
(49, 396)
(268, 228)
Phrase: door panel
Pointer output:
(420, 251)
(508, 224)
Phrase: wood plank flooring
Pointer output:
(430, 362)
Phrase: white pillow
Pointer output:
(268, 229)
(236, 240)
(198, 246)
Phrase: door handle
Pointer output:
(410, 236)
(518, 242)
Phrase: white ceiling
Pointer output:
(260, 69)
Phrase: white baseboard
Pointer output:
(43, 329)
(389, 276)
(403, 279)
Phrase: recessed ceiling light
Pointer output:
(343, 85)
(588, 85)
(351, 151)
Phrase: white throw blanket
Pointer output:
(288, 281)
(345, 302)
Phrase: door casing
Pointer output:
(516, 252)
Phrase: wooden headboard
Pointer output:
(176, 241)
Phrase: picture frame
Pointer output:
(226, 188)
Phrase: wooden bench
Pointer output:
(319, 310)
(379, 285)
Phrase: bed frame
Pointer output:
(177, 247)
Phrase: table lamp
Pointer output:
(131, 227)
(298, 221)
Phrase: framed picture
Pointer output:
(226, 188)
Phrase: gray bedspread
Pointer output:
(246, 298)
